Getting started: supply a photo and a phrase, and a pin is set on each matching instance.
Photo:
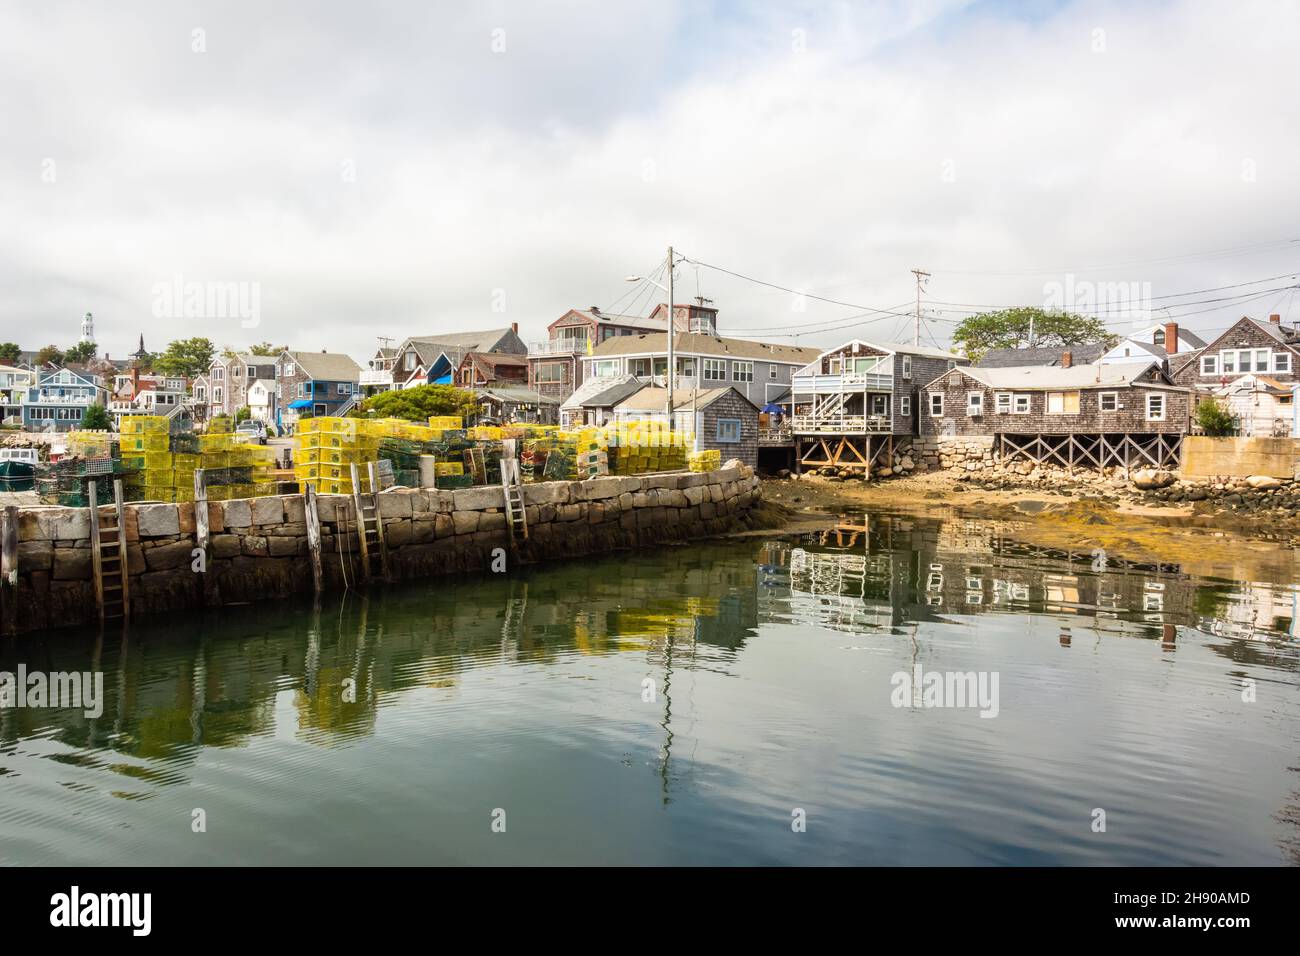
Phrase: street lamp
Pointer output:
(671, 332)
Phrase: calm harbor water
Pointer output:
(771, 666)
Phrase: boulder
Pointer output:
(1147, 479)
(1263, 482)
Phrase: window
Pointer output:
(288, 369)
(1229, 362)
(218, 374)
(936, 404)
(974, 403)
(686, 367)
(1281, 361)
(345, 388)
(1002, 402)
(408, 362)
(833, 367)
(1155, 407)
(879, 404)
(1108, 401)
(742, 371)
(252, 373)
(238, 370)
(551, 372)
(728, 429)
(1210, 365)
(905, 406)
(604, 368)
(1159, 337)
(1062, 403)
(218, 394)
(952, 364)
(907, 366)
(300, 389)
(1262, 360)
(715, 370)
(201, 393)
(771, 371)
(1020, 404)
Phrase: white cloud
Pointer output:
(825, 169)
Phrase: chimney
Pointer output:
(1171, 337)
(135, 379)
(594, 310)
(1067, 360)
(514, 327)
(1275, 319)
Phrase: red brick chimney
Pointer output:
(514, 327)
(1275, 319)
(1067, 359)
(135, 379)
(1171, 337)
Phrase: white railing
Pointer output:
(780, 435)
(849, 381)
(64, 400)
(381, 376)
(841, 424)
(558, 347)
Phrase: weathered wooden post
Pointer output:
(9, 568)
(313, 538)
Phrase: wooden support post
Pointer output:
(200, 511)
(361, 525)
(313, 538)
(9, 568)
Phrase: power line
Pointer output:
(1212, 254)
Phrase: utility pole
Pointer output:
(672, 334)
(916, 323)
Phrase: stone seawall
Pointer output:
(258, 547)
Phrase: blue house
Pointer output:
(315, 384)
(59, 398)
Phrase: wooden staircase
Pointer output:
(370, 527)
(108, 556)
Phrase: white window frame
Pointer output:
(1114, 399)
(288, 369)
(742, 371)
(345, 388)
(905, 406)
(1017, 399)
(718, 366)
(1282, 362)
(907, 366)
(936, 404)
(771, 371)
(833, 366)
(1228, 357)
(1209, 365)
(1002, 403)
(974, 404)
(611, 364)
(1267, 360)
(1159, 398)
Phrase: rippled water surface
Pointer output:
(681, 707)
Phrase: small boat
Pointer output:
(18, 462)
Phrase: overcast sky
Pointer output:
(409, 167)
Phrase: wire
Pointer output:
(1217, 253)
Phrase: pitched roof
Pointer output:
(1045, 377)
(897, 348)
(615, 318)
(328, 366)
(652, 398)
(457, 344)
(697, 343)
(1041, 355)
(594, 386)
(611, 396)
(519, 394)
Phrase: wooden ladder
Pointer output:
(108, 557)
(516, 512)
(370, 527)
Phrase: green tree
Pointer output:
(418, 403)
(96, 417)
(1010, 329)
(51, 353)
(263, 348)
(81, 352)
(188, 357)
(243, 414)
(1214, 418)
(10, 352)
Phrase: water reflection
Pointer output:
(700, 664)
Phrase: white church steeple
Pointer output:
(88, 328)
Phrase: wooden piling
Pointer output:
(9, 568)
(313, 538)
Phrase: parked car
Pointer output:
(251, 431)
